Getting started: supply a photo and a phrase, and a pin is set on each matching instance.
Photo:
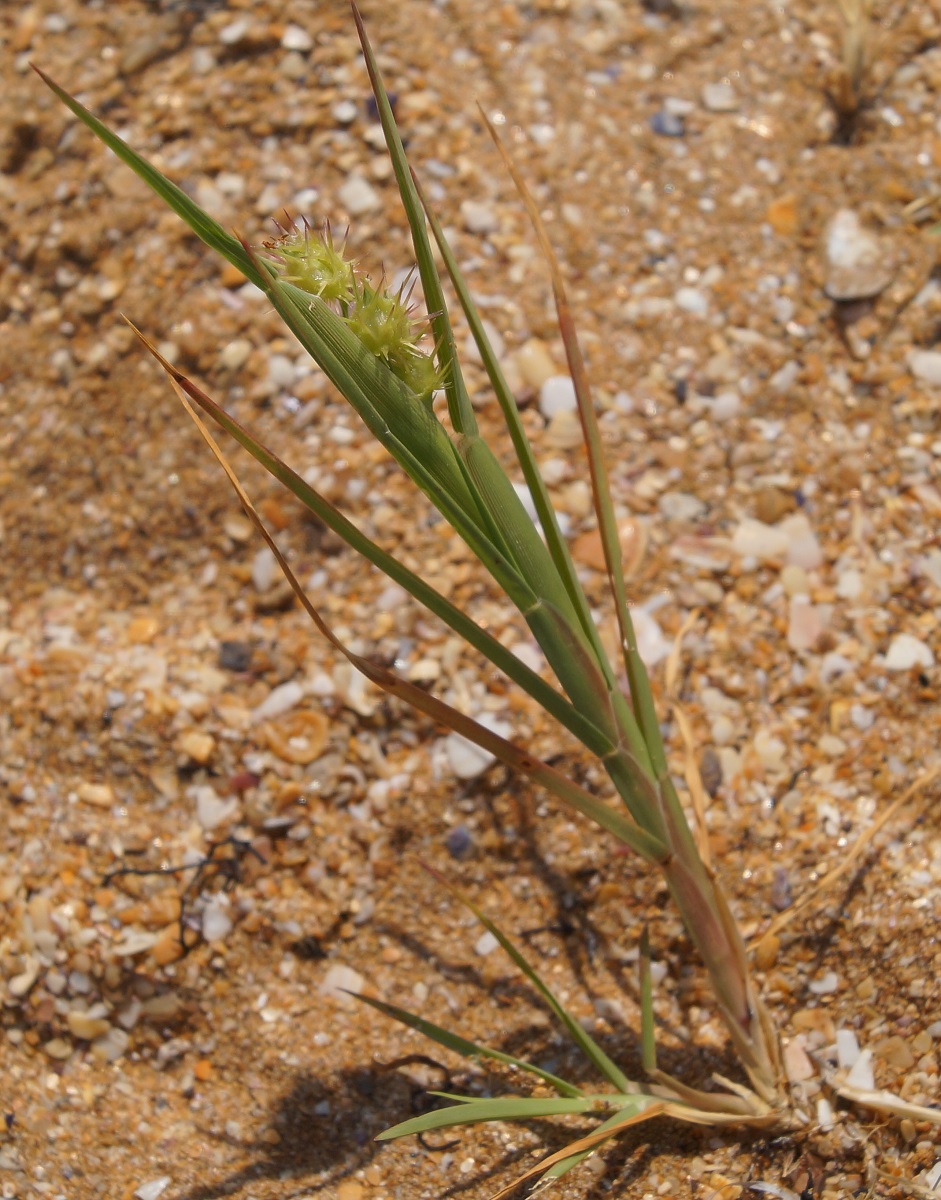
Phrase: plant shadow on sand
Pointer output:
(334, 1147)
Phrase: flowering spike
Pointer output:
(382, 320)
(313, 263)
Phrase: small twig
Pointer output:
(229, 868)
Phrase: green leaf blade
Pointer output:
(466, 1048)
(472, 1111)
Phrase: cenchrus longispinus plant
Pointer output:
(368, 342)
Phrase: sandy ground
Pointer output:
(159, 693)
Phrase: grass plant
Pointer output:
(366, 340)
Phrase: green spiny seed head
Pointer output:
(381, 322)
(314, 264)
(419, 372)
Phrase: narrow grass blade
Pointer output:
(643, 1108)
(471, 1111)
(648, 1037)
(613, 1126)
(586, 1043)
(511, 756)
(398, 419)
(460, 1045)
(459, 406)
(719, 1104)
(556, 543)
(502, 658)
(528, 549)
(205, 228)
(601, 492)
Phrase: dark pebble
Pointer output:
(710, 770)
(459, 842)
(235, 656)
(667, 124)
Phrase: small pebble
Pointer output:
(264, 569)
(785, 377)
(136, 942)
(278, 701)
(217, 924)
(766, 952)
(235, 354)
(895, 1051)
(797, 1063)
(339, 980)
(486, 944)
(668, 124)
(534, 363)
(803, 549)
(282, 371)
(20, 984)
(152, 1188)
(771, 504)
(926, 366)
(235, 656)
(781, 893)
(681, 506)
(100, 795)
(825, 984)
(692, 300)
(861, 1074)
(755, 539)
(858, 263)
(725, 406)
(782, 214)
(212, 810)
(466, 759)
(58, 1048)
(804, 624)
(344, 112)
(295, 37)
(358, 196)
(234, 32)
(459, 842)
(719, 97)
(679, 106)
(199, 747)
(847, 1048)
(557, 395)
(478, 217)
(652, 644)
(906, 651)
(710, 771)
(112, 1046)
(86, 1027)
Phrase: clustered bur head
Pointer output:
(380, 319)
(313, 263)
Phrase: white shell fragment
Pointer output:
(861, 1073)
(858, 263)
(926, 366)
(906, 651)
(847, 1048)
(339, 980)
(557, 395)
(719, 97)
(152, 1188)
